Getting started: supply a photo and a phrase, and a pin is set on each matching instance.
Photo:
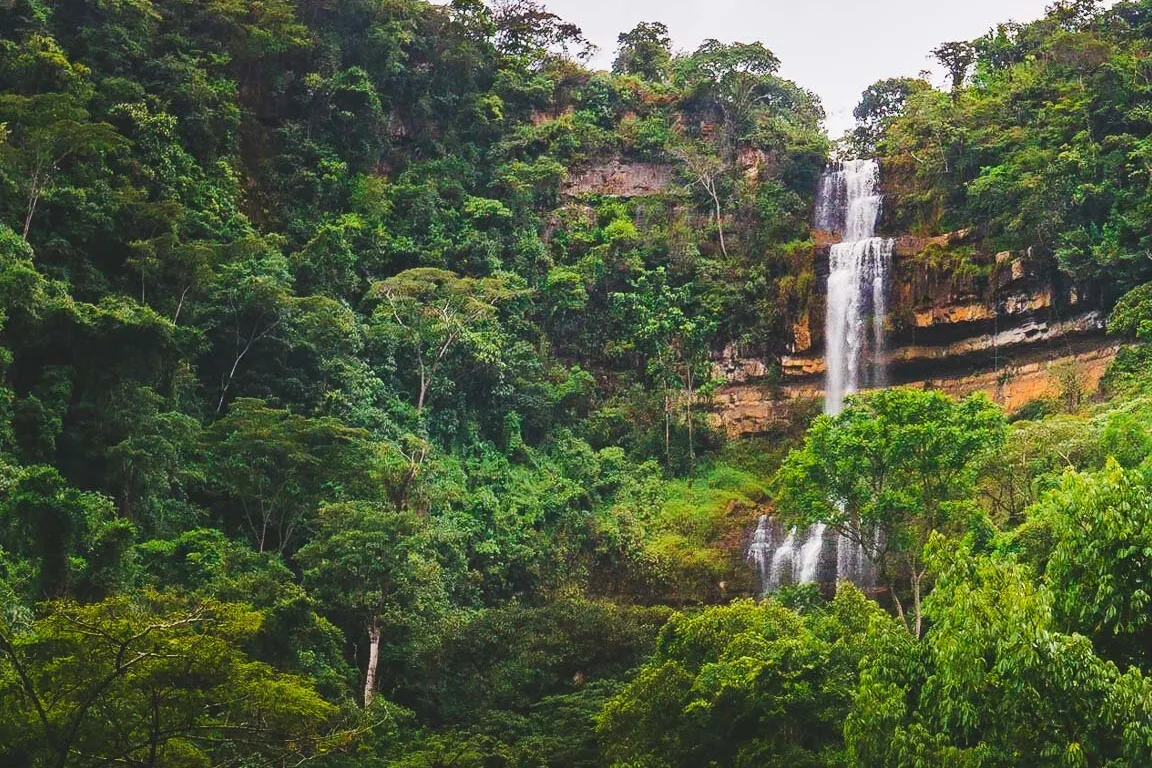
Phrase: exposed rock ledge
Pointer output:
(1031, 331)
(620, 178)
(750, 407)
(1013, 327)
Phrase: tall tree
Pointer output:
(275, 467)
(150, 682)
(993, 681)
(433, 311)
(375, 570)
(645, 51)
(893, 467)
(957, 59)
(880, 103)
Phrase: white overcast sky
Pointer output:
(836, 48)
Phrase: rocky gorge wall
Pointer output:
(959, 320)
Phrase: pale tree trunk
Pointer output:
(899, 606)
(39, 178)
(373, 660)
(709, 185)
(917, 577)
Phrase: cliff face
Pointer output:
(961, 321)
(620, 178)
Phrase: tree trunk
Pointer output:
(33, 199)
(423, 390)
(373, 660)
(720, 224)
(898, 604)
(691, 447)
(916, 622)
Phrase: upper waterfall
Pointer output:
(849, 202)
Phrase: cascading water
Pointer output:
(760, 550)
(857, 280)
(785, 556)
(848, 202)
(810, 554)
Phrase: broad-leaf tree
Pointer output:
(433, 311)
(375, 570)
(153, 681)
(891, 468)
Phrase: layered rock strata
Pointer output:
(1007, 324)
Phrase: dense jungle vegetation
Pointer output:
(339, 427)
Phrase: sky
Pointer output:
(836, 48)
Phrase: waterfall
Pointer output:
(858, 269)
(760, 550)
(810, 554)
(857, 280)
(783, 562)
(848, 202)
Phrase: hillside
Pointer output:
(380, 385)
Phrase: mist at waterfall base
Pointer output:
(847, 202)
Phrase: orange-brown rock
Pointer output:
(801, 335)
(747, 409)
(961, 321)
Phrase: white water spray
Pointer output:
(857, 282)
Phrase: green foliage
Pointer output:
(671, 541)
(273, 468)
(72, 542)
(645, 51)
(744, 684)
(994, 681)
(508, 659)
(1101, 529)
(890, 469)
(1132, 315)
(1039, 144)
(335, 372)
(374, 572)
(153, 680)
(880, 104)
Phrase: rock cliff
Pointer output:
(959, 320)
(620, 178)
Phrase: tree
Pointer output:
(893, 467)
(374, 568)
(705, 168)
(151, 682)
(253, 299)
(433, 311)
(1100, 566)
(880, 103)
(956, 58)
(278, 466)
(524, 28)
(743, 684)
(674, 343)
(993, 682)
(1132, 315)
(717, 62)
(738, 78)
(645, 51)
(46, 129)
(73, 543)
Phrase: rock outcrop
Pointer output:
(620, 178)
(1006, 324)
